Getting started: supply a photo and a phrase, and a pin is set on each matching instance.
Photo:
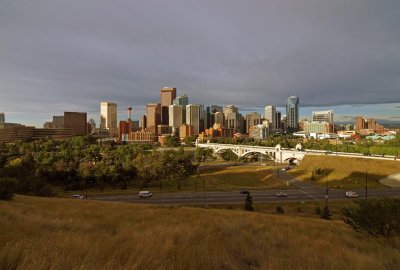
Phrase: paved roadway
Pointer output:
(304, 192)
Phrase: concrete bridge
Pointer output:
(277, 153)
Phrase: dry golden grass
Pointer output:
(41, 233)
(244, 176)
(344, 171)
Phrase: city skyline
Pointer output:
(65, 56)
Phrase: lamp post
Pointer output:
(366, 184)
(326, 213)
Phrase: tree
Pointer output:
(202, 154)
(326, 214)
(172, 141)
(248, 203)
(229, 155)
(376, 217)
(7, 188)
(189, 140)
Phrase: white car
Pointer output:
(78, 196)
(281, 194)
(145, 194)
(351, 194)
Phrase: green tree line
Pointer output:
(39, 166)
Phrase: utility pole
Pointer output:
(366, 184)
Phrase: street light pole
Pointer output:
(366, 184)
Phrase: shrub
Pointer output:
(326, 214)
(279, 209)
(376, 217)
(248, 204)
(7, 188)
(45, 191)
(318, 210)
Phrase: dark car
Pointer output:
(244, 192)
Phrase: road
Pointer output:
(304, 192)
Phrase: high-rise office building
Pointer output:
(252, 119)
(203, 119)
(181, 100)
(167, 96)
(144, 121)
(193, 117)
(279, 120)
(233, 119)
(108, 117)
(153, 116)
(292, 114)
(210, 111)
(175, 116)
(58, 121)
(270, 115)
(323, 116)
(2, 118)
(219, 119)
(77, 121)
(230, 109)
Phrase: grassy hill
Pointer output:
(42, 233)
(345, 171)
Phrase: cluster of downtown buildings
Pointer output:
(175, 116)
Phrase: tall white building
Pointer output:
(108, 117)
(270, 115)
(193, 117)
(175, 116)
(323, 116)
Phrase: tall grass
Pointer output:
(41, 233)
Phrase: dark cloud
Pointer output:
(70, 55)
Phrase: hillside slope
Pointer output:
(345, 171)
(42, 233)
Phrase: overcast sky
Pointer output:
(68, 55)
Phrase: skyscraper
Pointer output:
(175, 116)
(233, 119)
(108, 117)
(153, 116)
(292, 114)
(193, 117)
(210, 111)
(167, 96)
(181, 100)
(252, 119)
(270, 115)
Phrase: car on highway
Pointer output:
(145, 194)
(78, 196)
(281, 194)
(351, 194)
(244, 192)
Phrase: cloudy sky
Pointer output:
(68, 55)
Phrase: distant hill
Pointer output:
(43, 233)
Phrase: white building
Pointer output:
(175, 116)
(271, 116)
(323, 116)
(193, 117)
(108, 117)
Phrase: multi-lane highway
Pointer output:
(303, 192)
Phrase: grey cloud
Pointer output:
(70, 55)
